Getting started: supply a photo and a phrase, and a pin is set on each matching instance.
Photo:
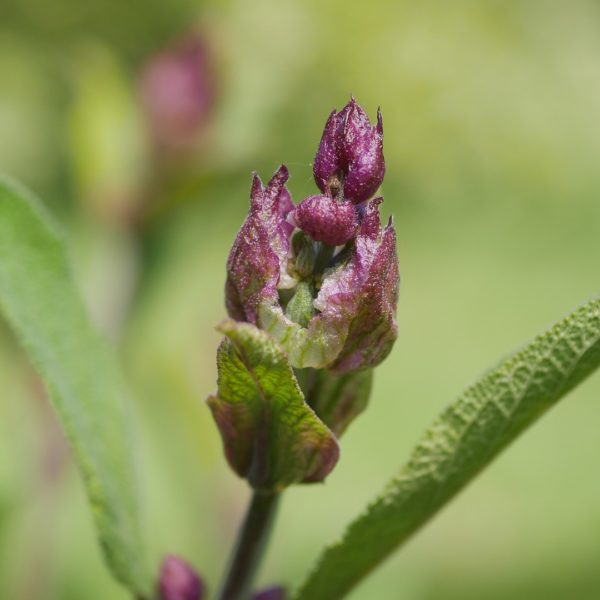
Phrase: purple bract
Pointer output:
(257, 262)
(365, 292)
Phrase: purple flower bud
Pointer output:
(178, 581)
(257, 264)
(178, 92)
(327, 308)
(272, 593)
(326, 220)
(350, 155)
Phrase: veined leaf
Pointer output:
(466, 437)
(270, 435)
(41, 303)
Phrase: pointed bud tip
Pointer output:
(178, 580)
(257, 186)
(282, 173)
(276, 185)
(352, 104)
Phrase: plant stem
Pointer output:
(250, 546)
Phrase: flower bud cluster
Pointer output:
(322, 277)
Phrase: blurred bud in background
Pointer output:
(179, 581)
(177, 87)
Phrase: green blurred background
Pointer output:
(491, 112)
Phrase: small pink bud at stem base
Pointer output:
(178, 580)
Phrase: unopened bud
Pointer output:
(179, 581)
(178, 92)
(326, 220)
(350, 154)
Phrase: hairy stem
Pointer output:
(250, 546)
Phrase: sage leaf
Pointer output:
(466, 437)
(39, 300)
(270, 435)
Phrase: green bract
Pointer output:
(271, 436)
(337, 399)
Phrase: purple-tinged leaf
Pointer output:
(270, 435)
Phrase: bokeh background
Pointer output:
(139, 125)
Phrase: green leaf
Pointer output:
(270, 435)
(41, 303)
(337, 399)
(466, 437)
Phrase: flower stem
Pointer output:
(250, 546)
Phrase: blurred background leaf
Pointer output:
(40, 301)
(490, 112)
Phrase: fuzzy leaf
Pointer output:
(466, 437)
(41, 303)
(270, 435)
